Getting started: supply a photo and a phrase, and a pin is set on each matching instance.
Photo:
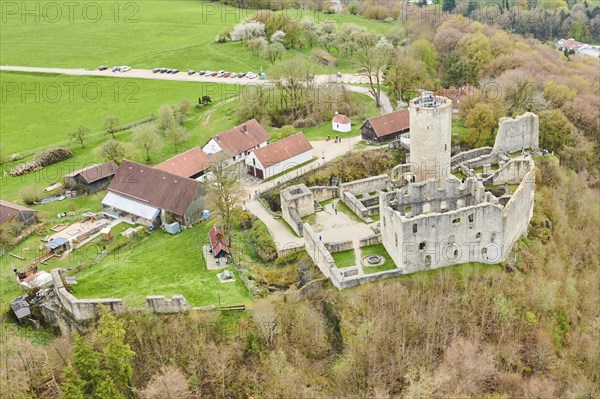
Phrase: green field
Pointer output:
(141, 34)
(344, 258)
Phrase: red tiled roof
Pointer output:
(242, 137)
(186, 164)
(283, 149)
(390, 123)
(341, 118)
(217, 241)
(154, 187)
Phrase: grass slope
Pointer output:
(142, 34)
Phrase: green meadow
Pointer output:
(141, 34)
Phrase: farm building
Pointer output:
(21, 214)
(279, 156)
(325, 58)
(341, 123)
(192, 163)
(92, 178)
(235, 144)
(152, 196)
(386, 127)
(218, 246)
(456, 96)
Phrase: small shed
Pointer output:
(218, 246)
(20, 308)
(325, 58)
(172, 228)
(341, 123)
(58, 245)
(92, 178)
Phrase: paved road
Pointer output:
(349, 80)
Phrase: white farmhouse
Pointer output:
(279, 156)
(235, 144)
(341, 123)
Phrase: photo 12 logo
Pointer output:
(52, 12)
(68, 92)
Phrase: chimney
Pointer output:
(244, 129)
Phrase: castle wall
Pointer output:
(513, 171)
(471, 154)
(518, 211)
(296, 202)
(368, 185)
(517, 134)
(339, 246)
(159, 304)
(324, 193)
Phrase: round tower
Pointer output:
(430, 134)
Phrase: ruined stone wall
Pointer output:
(517, 134)
(518, 211)
(368, 185)
(317, 251)
(296, 202)
(512, 172)
(370, 240)
(354, 204)
(471, 154)
(159, 304)
(339, 246)
(324, 193)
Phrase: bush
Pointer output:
(263, 242)
(31, 194)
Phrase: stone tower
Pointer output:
(430, 134)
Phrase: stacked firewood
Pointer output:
(45, 158)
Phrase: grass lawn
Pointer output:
(161, 264)
(344, 208)
(141, 34)
(459, 131)
(344, 258)
(377, 249)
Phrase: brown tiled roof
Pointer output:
(242, 137)
(455, 94)
(186, 164)
(9, 210)
(390, 123)
(341, 118)
(96, 172)
(154, 187)
(283, 149)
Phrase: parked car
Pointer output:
(169, 70)
(233, 75)
(125, 68)
(241, 74)
(155, 70)
(226, 74)
(201, 72)
(190, 72)
(214, 73)
(251, 75)
(175, 71)
(103, 68)
(162, 70)
(116, 69)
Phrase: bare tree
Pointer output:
(372, 59)
(169, 383)
(146, 136)
(112, 150)
(225, 191)
(176, 135)
(111, 124)
(80, 134)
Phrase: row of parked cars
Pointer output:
(218, 74)
(123, 68)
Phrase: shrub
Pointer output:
(31, 194)
(263, 242)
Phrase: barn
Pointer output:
(92, 178)
(279, 156)
(341, 123)
(193, 163)
(386, 127)
(152, 196)
(13, 212)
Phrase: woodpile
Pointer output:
(45, 158)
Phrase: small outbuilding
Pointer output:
(324, 57)
(13, 212)
(386, 127)
(341, 123)
(93, 178)
(218, 246)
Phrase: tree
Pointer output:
(169, 383)
(294, 79)
(224, 191)
(146, 136)
(448, 5)
(177, 135)
(404, 76)
(166, 117)
(476, 53)
(555, 130)
(278, 37)
(112, 150)
(423, 49)
(247, 30)
(309, 28)
(273, 52)
(80, 134)
(372, 59)
(111, 123)
(481, 123)
(558, 94)
(257, 45)
(205, 100)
